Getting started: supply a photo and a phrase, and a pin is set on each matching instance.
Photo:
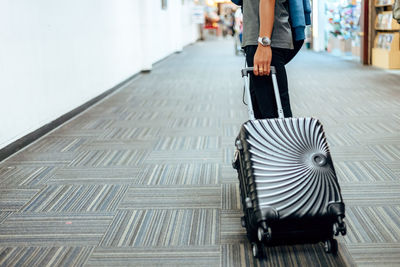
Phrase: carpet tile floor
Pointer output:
(144, 178)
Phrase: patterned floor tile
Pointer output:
(378, 139)
(394, 166)
(232, 231)
(93, 122)
(352, 153)
(187, 156)
(386, 152)
(369, 254)
(184, 131)
(228, 141)
(44, 256)
(68, 130)
(97, 175)
(41, 158)
(163, 228)
(128, 124)
(129, 133)
(172, 197)
(54, 229)
(195, 122)
(375, 127)
(105, 158)
(57, 144)
(228, 174)
(340, 139)
(187, 143)
(172, 256)
(184, 174)
(367, 194)
(120, 145)
(4, 215)
(231, 197)
(228, 153)
(25, 176)
(377, 225)
(15, 199)
(364, 171)
(76, 198)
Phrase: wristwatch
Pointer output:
(264, 41)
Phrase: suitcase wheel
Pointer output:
(238, 144)
(234, 165)
(243, 221)
(249, 204)
(257, 250)
(339, 227)
(264, 235)
(235, 161)
(336, 229)
(331, 246)
(343, 229)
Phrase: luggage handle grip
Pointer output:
(247, 70)
(245, 75)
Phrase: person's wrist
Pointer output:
(264, 47)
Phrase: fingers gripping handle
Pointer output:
(245, 75)
(247, 70)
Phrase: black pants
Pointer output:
(262, 91)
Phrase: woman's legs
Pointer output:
(262, 91)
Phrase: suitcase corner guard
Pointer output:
(268, 214)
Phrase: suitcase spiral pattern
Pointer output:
(290, 163)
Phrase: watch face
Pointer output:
(266, 41)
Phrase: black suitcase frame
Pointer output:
(310, 216)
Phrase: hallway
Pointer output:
(144, 178)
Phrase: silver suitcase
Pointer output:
(289, 189)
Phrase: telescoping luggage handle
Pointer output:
(245, 75)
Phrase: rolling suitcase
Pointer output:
(288, 186)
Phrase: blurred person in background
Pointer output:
(232, 20)
(211, 19)
(227, 22)
(272, 37)
(238, 30)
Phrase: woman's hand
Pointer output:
(263, 55)
(262, 60)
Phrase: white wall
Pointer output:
(56, 55)
(318, 23)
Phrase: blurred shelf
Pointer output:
(390, 5)
(387, 30)
(380, 3)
